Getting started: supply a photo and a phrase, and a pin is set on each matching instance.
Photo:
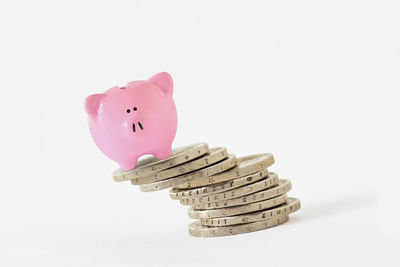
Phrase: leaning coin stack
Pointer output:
(227, 195)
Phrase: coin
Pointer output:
(213, 156)
(152, 164)
(236, 210)
(267, 182)
(176, 193)
(198, 230)
(246, 165)
(221, 166)
(290, 206)
(283, 187)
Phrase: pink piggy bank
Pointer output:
(137, 119)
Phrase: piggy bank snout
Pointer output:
(137, 126)
(136, 123)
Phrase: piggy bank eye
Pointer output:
(135, 108)
(128, 110)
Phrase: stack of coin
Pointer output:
(228, 195)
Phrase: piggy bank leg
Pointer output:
(163, 153)
(128, 165)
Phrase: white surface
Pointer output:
(314, 82)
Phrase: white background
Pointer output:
(314, 82)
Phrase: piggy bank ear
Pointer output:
(92, 104)
(164, 81)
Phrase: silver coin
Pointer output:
(221, 166)
(283, 187)
(176, 193)
(213, 156)
(198, 230)
(236, 210)
(267, 182)
(246, 166)
(292, 205)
